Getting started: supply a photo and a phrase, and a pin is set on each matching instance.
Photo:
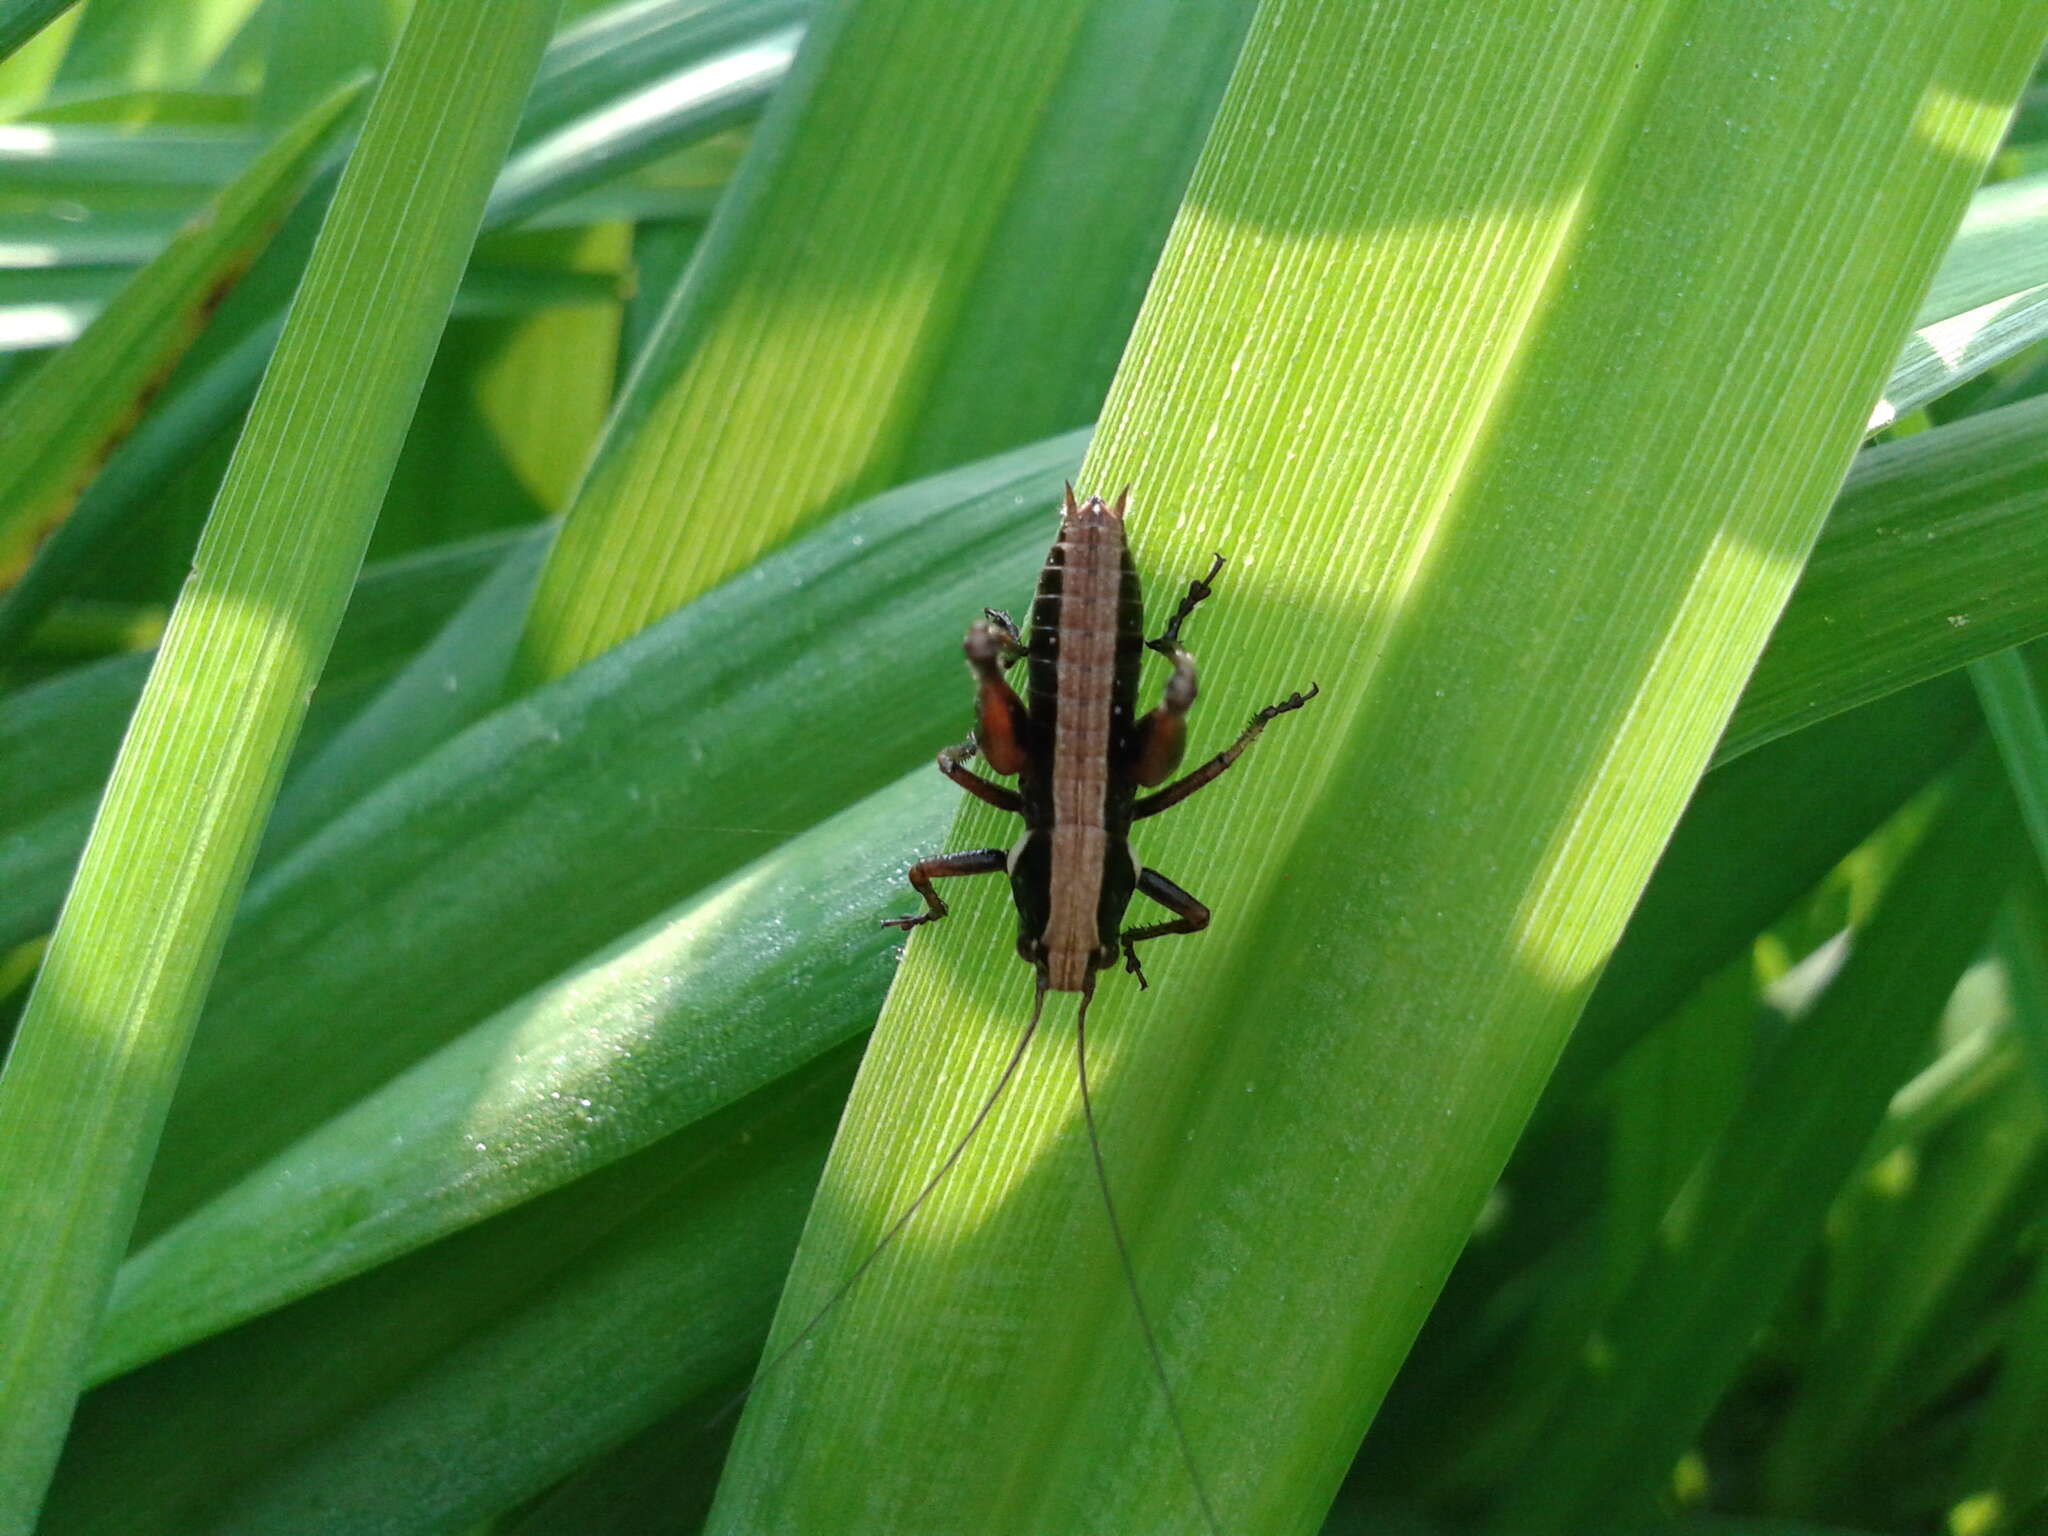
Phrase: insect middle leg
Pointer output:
(982, 861)
(1182, 787)
(953, 764)
(1192, 917)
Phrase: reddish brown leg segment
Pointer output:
(952, 763)
(1001, 726)
(1162, 735)
(982, 861)
(1193, 918)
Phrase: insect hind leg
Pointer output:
(982, 861)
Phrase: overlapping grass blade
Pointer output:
(1974, 1179)
(712, 92)
(1530, 590)
(734, 989)
(2011, 699)
(1933, 556)
(1988, 301)
(62, 420)
(598, 80)
(1760, 833)
(21, 20)
(98, 1051)
(574, 1317)
(573, 816)
(59, 738)
(1677, 1336)
(818, 308)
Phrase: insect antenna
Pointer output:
(896, 1227)
(1123, 1253)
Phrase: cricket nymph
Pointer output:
(1081, 754)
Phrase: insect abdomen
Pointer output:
(1084, 653)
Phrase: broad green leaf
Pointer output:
(710, 93)
(2005, 1479)
(613, 52)
(2001, 248)
(1988, 301)
(1760, 833)
(445, 685)
(21, 20)
(1531, 586)
(203, 403)
(63, 419)
(142, 44)
(97, 1054)
(1939, 357)
(106, 162)
(138, 467)
(1676, 1338)
(2012, 704)
(653, 1317)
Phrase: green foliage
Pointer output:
(1518, 356)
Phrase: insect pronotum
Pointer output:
(1080, 753)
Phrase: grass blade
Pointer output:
(816, 309)
(21, 20)
(98, 1052)
(1935, 553)
(61, 421)
(1531, 592)
(1680, 1332)
(729, 992)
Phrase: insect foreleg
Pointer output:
(1001, 726)
(1162, 735)
(982, 861)
(1192, 917)
(1198, 592)
(1182, 787)
(953, 764)
(1008, 638)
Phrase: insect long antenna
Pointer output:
(1123, 1253)
(896, 1227)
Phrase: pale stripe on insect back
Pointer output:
(1093, 583)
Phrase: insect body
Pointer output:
(1081, 754)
